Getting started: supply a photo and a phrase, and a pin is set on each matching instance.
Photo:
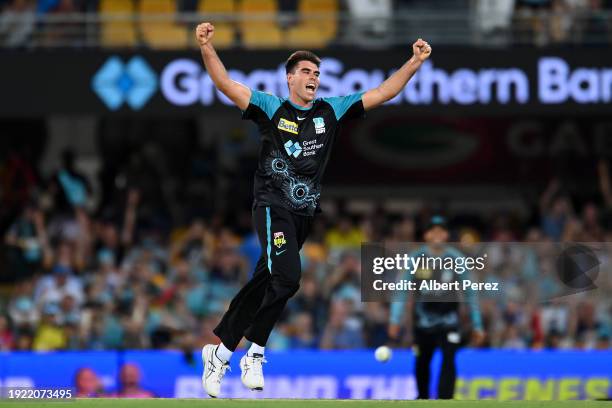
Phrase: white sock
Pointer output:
(223, 353)
(256, 349)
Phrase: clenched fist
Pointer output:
(204, 33)
(421, 49)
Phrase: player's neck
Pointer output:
(297, 101)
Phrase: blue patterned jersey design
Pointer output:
(296, 143)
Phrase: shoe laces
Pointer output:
(257, 362)
(219, 372)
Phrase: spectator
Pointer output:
(512, 339)
(62, 282)
(591, 222)
(587, 326)
(49, 335)
(87, 384)
(493, 18)
(532, 16)
(554, 211)
(24, 339)
(22, 309)
(302, 335)
(129, 377)
(17, 23)
(376, 318)
(343, 283)
(310, 300)
(69, 187)
(28, 242)
(344, 236)
(280, 337)
(6, 334)
(596, 23)
(343, 330)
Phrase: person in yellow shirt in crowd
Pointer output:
(345, 235)
(49, 336)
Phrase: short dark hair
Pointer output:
(298, 56)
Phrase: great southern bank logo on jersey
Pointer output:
(293, 148)
(117, 83)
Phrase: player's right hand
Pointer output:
(421, 49)
(204, 33)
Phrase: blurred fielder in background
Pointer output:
(435, 319)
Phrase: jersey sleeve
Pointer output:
(261, 102)
(346, 107)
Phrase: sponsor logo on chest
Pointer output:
(311, 147)
(288, 126)
(319, 125)
(308, 148)
(293, 148)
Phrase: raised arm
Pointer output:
(396, 82)
(235, 91)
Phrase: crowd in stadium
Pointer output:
(539, 22)
(119, 277)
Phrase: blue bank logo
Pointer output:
(117, 83)
(293, 148)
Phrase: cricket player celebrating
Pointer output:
(297, 135)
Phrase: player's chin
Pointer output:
(309, 96)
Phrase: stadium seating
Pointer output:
(315, 31)
(255, 32)
(162, 34)
(225, 33)
(118, 31)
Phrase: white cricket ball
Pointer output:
(383, 354)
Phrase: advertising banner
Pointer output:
(396, 148)
(495, 374)
(458, 80)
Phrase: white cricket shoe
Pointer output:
(252, 371)
(214, 370)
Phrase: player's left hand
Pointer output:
(478, 337)
(421, 49)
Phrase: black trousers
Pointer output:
(256, 308)
(426, 343)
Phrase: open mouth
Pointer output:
(311, 87)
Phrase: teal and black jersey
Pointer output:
(436, 310)
(295, 146)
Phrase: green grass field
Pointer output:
(223, 403)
